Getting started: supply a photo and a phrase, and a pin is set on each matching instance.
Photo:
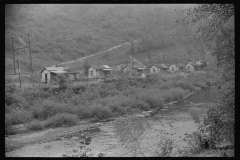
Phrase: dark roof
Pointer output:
(180, 65)
(168, 65)
(71, 72)
(160, 65)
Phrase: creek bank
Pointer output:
(59, 134)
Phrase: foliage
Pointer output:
(35, 125)
(61, 120)
(91, 29)
(165, 143)
(153, 98)
(86, 67)
(61, 80)
(206, 20)
(34, 94)
(130, 130)
(15, 99)
(100, 112)
(18, 116)
(48, 109)
(166, 146)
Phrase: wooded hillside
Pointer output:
(59, 33)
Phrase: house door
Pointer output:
(46, 78)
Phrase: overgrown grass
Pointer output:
(18, 116)
(103, 100)
(35, 125)
(9, 129)
(48, 109)
(61, 120)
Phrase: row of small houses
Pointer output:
(102, 71)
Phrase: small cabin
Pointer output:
(135, 70)
(192, 67)
(173, 68)
(48, 73)
(98, 71)
(156, 68)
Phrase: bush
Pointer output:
(33, 94)
(18, 116)
(35, 125)
(61, 120)
(100, 112)
(48, 109)
(151, 97)
(11, 99)
(9, 129)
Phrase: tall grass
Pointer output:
(61, 120)
(19, 116)
(104, 100)
(48, 109)
(35, 125)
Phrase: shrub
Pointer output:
(33, 94)
(48, 109)
(18, 116)
(130, 130)
(61, 120)
(35, 125)
(11, 99)
(100, 112)
(173, 94)
(151, 97)
(9, 129)
(82, 112)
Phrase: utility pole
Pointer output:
(126, 60)
(19, 73)
(133, 58)
(30, 53)
(133, 53)
(13, 57)
(149, 58)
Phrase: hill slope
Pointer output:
(61, 33)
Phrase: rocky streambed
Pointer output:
(102, 138)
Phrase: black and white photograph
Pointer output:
(120, 80)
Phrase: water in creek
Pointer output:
(205, 96)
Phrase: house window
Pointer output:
(91, 73)
(153, 70)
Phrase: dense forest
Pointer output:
(65, 32)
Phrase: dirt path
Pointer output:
(51, 143)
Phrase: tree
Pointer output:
(86, 67)
(206, 20)
(61, 80)
(210, 24)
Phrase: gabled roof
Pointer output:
(193, 64)
(104, 67)
(53, 68)
(180, 65)
(164, 66)
(168, 65)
